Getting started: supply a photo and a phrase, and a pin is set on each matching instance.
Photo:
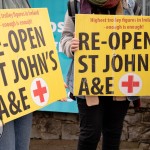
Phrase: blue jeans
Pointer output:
(16, 134)
(106, 118)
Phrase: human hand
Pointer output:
(74, 44)
(65, 98)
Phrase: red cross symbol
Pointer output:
(40, 91)
(130, 84)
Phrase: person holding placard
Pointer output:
(16, 133)
(103, 114)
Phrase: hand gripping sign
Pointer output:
(30, 71)
(1, 128)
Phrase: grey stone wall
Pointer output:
(137, 125)
(52, 125)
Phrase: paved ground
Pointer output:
(70, 145)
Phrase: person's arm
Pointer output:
(68, 42)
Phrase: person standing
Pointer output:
(16, 133)
(106, 117)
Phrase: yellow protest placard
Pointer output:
(114, 55)
(31, 76)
